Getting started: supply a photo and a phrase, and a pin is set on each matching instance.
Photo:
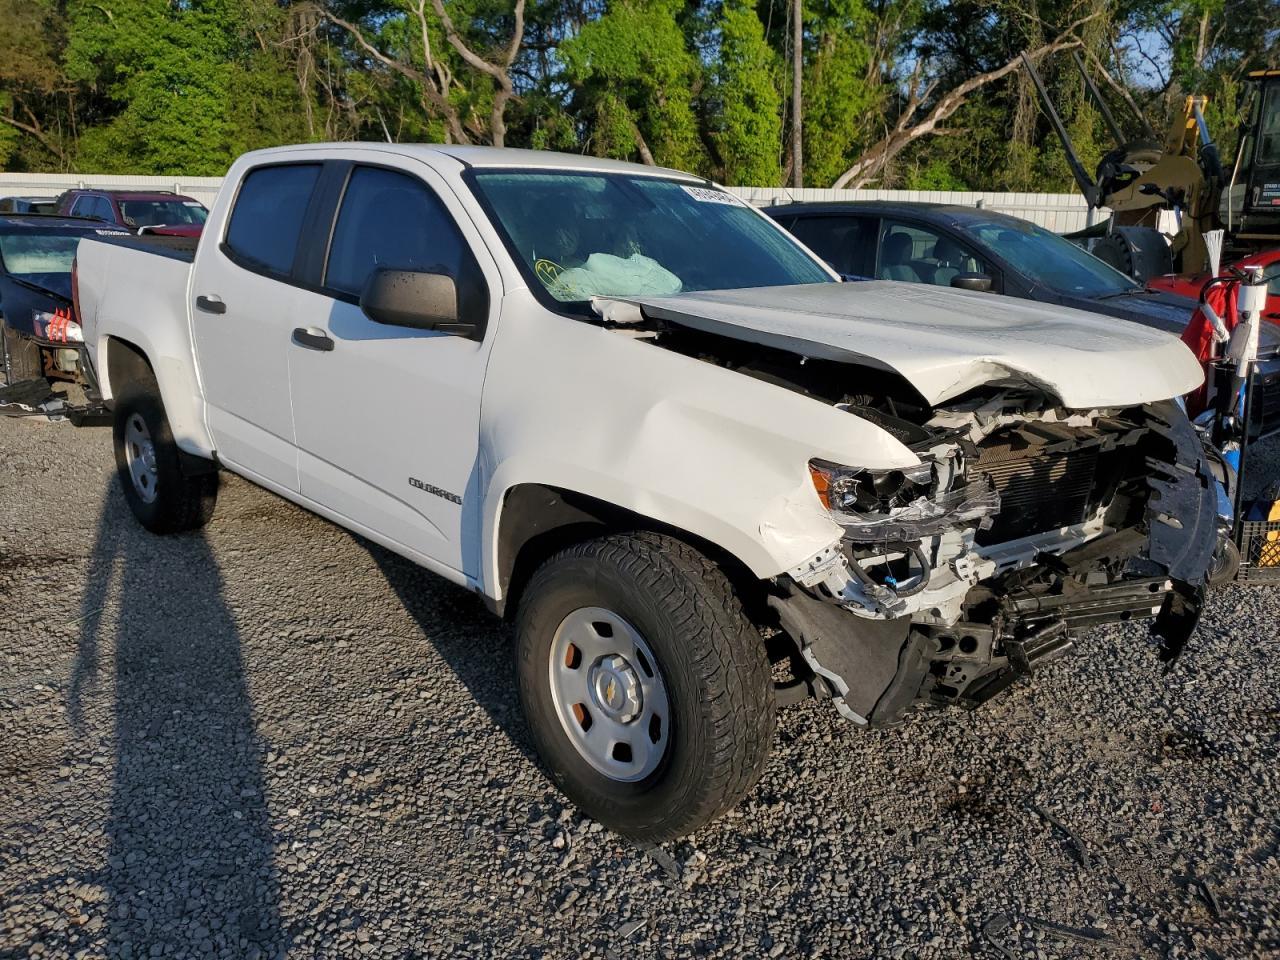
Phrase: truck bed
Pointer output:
(176, 248)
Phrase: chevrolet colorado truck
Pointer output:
(702, 476)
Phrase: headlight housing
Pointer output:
(856, 490)
(57, 326)
(901, 505)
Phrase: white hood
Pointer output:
(945, 341)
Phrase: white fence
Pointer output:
(203, 189)
(1061, 212)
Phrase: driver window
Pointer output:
(389, 219)
(918, 254)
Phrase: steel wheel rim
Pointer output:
(140, 457)
(609, 695)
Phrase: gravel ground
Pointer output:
(274, 739)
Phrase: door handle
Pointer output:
(210, 304)
(312, 339)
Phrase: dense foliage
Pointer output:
(182, 86)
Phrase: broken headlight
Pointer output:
(852, 490)
(884, 506)
(57, 326)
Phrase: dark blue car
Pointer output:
(41, 339)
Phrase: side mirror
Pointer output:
(414, 298)
(972, 281)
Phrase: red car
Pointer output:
(153, 211)
(1268, 260)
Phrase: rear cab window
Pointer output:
(266, 221)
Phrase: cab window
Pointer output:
(266, 221)
(392, 220)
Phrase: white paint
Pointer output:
(946, 342)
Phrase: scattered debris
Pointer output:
(1094, 935)
(628, 929)
(996, 925)
(663, 860)
(1210, 898)
(1081, 849)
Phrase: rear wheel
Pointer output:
(647, 690)
(162, 496)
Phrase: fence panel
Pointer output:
(1061, 212)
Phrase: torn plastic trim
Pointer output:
(973, 504)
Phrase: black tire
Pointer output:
(23, 356)
(713, 662)
(179, 502)
(1225, 564)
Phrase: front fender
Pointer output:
(683, 442)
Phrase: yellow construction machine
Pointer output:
(1184, 174)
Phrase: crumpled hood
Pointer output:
(946, 341)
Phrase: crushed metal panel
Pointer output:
(946, 342)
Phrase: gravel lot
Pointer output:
(276, 739)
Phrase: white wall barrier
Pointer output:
(1061, 212)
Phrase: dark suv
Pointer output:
(151, 211)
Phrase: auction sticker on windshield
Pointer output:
(705, 195)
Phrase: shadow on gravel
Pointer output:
(475, 643)
(190, 863)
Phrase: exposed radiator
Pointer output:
(1039, 491)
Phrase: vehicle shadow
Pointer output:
(477, 646)
(190, 869)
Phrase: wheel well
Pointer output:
(126, 364)
(538, 521)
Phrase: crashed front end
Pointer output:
(1025, 524)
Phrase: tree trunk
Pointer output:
(797, 111)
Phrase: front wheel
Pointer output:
(647, 690)
(163, 497)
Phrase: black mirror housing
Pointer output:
(414, 298)
(972, 281)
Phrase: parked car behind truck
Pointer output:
(40, 341)
(654, 430)
(160, 212)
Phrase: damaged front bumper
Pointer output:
(1047, 525)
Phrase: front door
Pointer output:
(243, 301)
(387, 417)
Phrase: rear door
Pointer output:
(244, 300)
(388, 417)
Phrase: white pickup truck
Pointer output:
(703, 476)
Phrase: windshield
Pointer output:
(36, 257)
(162, 213)
(1050, 260)
(583, 235)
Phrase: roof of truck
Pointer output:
(473, 156)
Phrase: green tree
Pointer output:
(167, 68)
(747, 103)
(635, 82)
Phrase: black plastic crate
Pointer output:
(1260, 551)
